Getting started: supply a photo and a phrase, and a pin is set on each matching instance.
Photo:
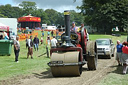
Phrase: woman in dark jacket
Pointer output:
(36, 42)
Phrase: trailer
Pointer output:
(12, 23)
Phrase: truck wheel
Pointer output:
(113, 55)
(91, 55)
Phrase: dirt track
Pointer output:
(87, 77)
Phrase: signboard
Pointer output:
(24, 19)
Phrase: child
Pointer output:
(41, 40)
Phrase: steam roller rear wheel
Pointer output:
(91, 55)
(67, 70)
(84, 41)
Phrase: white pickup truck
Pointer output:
(105, 47)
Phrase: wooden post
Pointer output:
(47, 51)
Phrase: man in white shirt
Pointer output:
(53, 42)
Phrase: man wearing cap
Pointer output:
(73, 28)
(79, 29)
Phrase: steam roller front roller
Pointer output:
(65, 64)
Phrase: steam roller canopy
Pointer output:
(68, 59)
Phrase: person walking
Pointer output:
(16, 48)
(53, 42)
(36, 42)
(125, 57)
(119, 53)
(30, 48)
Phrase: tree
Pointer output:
(28, 7)
(105, 14)
(52, 15)
(76, 17)
(10, 12)
(41, 13)
(2, 16)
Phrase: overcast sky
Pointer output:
(59, 5)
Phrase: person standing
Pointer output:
(48, 33)
(36, 42)
(73, 28)
(53, 42)
(52, 33)
(119, 53)
(79, 29)
(125, 57)
(26, 41)
(42, 33)
(48, 40)
(5, 35)
(16, 48)
(30, 48)
(57, 32)
(41, 41)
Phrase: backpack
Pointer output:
(31, 43)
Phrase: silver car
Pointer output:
(105, 47)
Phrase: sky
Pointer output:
(58, 5)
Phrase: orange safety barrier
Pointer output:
(24, 36)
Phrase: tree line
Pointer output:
(105, 14)
(48, 16)
(101, 14)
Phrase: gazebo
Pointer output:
(29, 21)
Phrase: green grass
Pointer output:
(9, 68)
(114, 38)
(115, 77)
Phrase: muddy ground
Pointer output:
(104, 67)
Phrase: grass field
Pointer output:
(9, 68)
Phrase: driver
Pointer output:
(73, 28)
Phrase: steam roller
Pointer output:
(75, 51)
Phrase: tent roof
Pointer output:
(3, 27)
(2, 24)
